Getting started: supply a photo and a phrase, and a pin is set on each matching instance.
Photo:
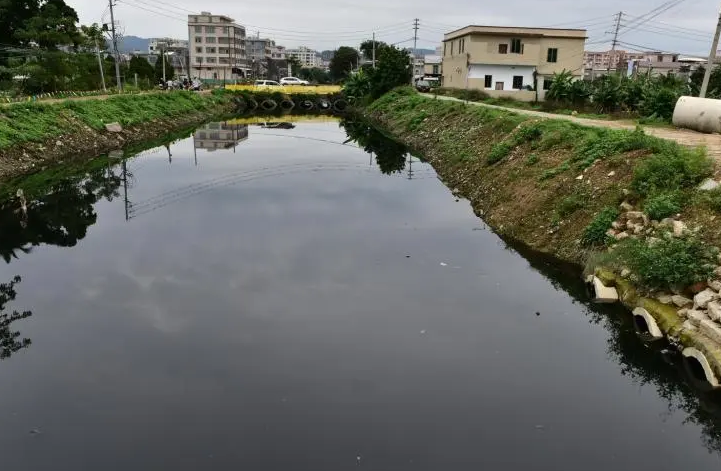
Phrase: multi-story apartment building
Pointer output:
(259, 51)
(277, 53)
(306, 56)
(217, 47)
(176, 51)
(511, 61)
(597, 64)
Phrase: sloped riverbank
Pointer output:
(602, 198)
(33, 135)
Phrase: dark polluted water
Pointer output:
(288, 296)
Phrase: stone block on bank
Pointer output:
(696, 317)
(601, 293)
(113, 127)
(679, 228)
(709, 184)
(714, 311)
(711, 330)
(715, 285)
(681, 301)
(702, 299)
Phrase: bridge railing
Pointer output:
(311, 89)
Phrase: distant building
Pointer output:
(307, 57)
(277, 53)
(259, 51)
(327, 56)
(432, 66)
(597, 64)
(215, 136)
(175, 49)
(510, 61)
(217, 47)
(418, 65)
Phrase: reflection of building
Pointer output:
(217, 47)
(214, 136)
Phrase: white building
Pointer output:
(306, 56)
(277, 52)
(217, 47)
(176, 51)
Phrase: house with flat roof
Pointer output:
(515, 62)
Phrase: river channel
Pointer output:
(307, 296)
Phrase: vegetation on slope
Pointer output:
(557, 186)
(37, 122)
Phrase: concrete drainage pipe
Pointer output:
(699, 114)
(645, 324)
(287, 105)
(306, 105)
(268, 105)
(699, 367)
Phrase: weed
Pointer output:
(532, 159)
(499, 152)
(666, 262)
(672, 169)
(663, 205)
(712, 199)
(595, 232)
(570, 205)
(550, 173)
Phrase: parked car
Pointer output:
(266, 83)
(423, 86)
(292, 81)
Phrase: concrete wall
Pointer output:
(499, 74)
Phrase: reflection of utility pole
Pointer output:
(170, 157)
(125, 189)
(410, 167)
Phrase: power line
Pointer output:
(652, 14)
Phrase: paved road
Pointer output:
(682, 136)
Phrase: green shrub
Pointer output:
(595, 232)
(676, 168)
(713, 199)
(499, 152)
(663, 205)
(602, 143)
(532, 159)
(667, 262)
(552, 172)
(570, 205)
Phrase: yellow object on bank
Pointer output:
(310, 89)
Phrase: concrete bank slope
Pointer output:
(34, 135)
(619, 202)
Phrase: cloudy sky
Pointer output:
(686, 27)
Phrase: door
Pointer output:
(499, 85)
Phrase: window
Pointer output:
(452, 44)
(517, 82)
(210, 40)
(198, 29)
(211, 60)
(499, 85)
(489, 81)
(199, 60)
(552, 54)
(210, 50)
(210, 29)
(503, 48)
(660, 58)
(547, 83)
(516, 46)
(436, 70)
(199, 50)
(198, 39)
(225, 30)
(462, 46)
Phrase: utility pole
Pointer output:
(115, 46)
(711, 58)
(615, 40)
(415, 45)
(162, 58)
(100, 64)
(374, 49)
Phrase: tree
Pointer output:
(142, 67)
(366, 48)
(169, 71)
(315, 75)
(344, 61)
(393, 69)
(293, 65)
(53, 25)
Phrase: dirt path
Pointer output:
(682, 136)
(89, 97)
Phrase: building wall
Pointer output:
(467, 48)
(306, 56)
(217, 47)
(500, 74)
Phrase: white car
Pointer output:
(292, 81)
(266, 83)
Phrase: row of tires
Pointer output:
(322, 104)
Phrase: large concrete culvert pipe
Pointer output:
(699, 114)
(699, 367)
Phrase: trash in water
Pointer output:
(423, 332)
(35, 431)
(444, 264)
(540, 427)
(538, 313)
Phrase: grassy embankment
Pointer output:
(557, 186)
(32, 134)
